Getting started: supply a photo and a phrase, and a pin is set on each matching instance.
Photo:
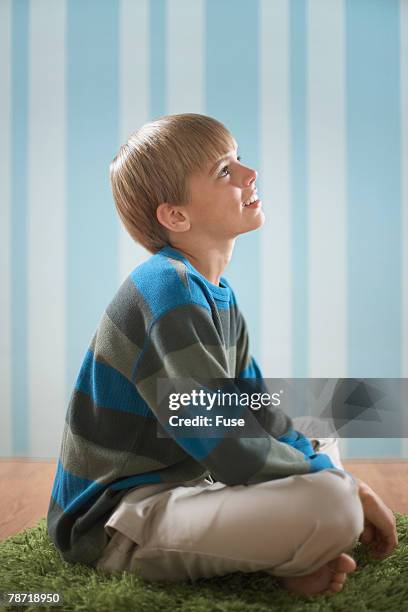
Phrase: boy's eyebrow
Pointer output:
(218, 162)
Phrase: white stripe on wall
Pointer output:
(133, 103)
(404, 200)
(185, 56)
(5, 220)
(275, 331)
(326, 180)
(46, 227)
(326, 129)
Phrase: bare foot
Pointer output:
(329, 578)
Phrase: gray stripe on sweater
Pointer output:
(112, 347)
(94, 462)
(130, 312)
(138, 434)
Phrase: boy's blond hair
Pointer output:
(154, 166)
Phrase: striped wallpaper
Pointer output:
(316, 92)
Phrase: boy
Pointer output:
(125, 497)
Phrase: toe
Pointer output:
(339, 578)
(343, 563)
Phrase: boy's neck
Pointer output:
(210, 261)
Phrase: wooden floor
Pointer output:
(25, 488)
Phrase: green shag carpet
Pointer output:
(30, 563)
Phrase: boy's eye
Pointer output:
(225, 168)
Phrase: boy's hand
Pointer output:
(299, 441)
(380, 532)
(316, 445)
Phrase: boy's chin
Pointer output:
(248, 231)
(257, 222)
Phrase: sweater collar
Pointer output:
(222, 290)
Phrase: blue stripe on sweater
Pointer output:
(157, 272)
(71, 492)
(202, 294)
(251, 371)
(133, 481)
(150, 278)
(108, 388)
(319, 462)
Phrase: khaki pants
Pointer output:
(287, 527)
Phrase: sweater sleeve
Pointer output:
(185, 343)
(273, 419)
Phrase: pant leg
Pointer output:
(287, 527)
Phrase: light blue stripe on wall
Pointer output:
(404, 179)
(133, 104)
(92, 139)
(326, 119)
(374, 197)
(404, 200)
(19, 133)
(157, 58)
(5, 230)
(232, 96)
(300, 300)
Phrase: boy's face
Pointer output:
(218, 194)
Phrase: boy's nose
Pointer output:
(250, 176)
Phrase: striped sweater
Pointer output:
(165, 321)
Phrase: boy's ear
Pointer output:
(173, 217)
